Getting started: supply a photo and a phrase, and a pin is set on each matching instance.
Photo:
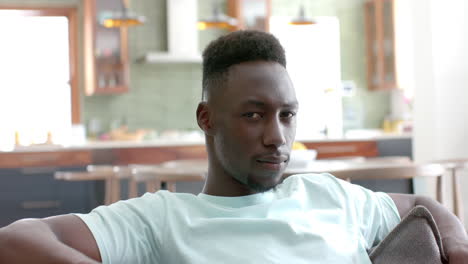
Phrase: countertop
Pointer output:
(181, 142)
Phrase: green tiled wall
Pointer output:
(165, 96)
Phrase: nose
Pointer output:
(274, 133)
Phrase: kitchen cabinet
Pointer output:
(380, 38)
(34, 193)
(65, 158)
(250, 14)
(391, 147)
(106, 60)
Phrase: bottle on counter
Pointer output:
(49, 138)
(17, 139)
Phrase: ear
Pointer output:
(204, 118)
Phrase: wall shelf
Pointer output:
(106, 67)
(166, 57)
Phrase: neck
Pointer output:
(219, 182)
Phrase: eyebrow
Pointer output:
(262, 104)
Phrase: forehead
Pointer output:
(267, 82)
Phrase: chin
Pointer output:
(264, 184)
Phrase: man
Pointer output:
(246, 213)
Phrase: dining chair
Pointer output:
(344, 163)
(170, 173)
(390, 159)
(395, 171)
(98, 175)
(111, 175)
(118, 173)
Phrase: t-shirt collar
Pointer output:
(239, 201)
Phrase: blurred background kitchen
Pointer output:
(118, 81)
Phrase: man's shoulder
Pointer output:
(148, 206)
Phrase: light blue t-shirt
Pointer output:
(309, 218)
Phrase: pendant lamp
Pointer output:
(217, 20)
(301, 19)
(125, 18)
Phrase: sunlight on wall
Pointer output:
(313, 63)
(34, 91)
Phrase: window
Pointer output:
(36, 95)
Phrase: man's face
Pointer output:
(255, 123)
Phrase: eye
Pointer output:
(287, 114)
(253, 115)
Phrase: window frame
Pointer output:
(71, 14)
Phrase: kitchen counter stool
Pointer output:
(117, 174)
(105, 176)
(394, 171)
(111, 175)
(170, 173)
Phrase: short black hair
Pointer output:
(234, 48)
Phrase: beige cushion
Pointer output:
(415, 240)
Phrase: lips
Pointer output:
(272, 162)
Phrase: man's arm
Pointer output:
(58, 239)
(454, 237)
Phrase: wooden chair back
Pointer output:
(395, 171)
(104, 175)
(111, 175)
(390, 160)
(454, 166)
(170, 172)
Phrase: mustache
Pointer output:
(276, 157)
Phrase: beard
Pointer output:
(255, 186)
(255, 181)
(230, 158)
(260, 188)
